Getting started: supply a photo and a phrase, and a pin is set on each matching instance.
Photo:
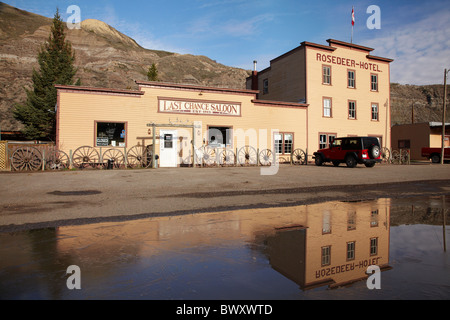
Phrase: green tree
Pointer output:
(56, 59)
(152, 74)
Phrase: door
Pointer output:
(168, 148)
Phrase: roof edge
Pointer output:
(379, 58)
(96, 89)
(350, 45)
(281, 103)
(192, 87)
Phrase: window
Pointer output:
(352, 144)
(265, 86)
(352, 110)
(326, 256)
(351, 220)
(351, 78)
(350, 250)
(326, 75)
(110, 134)
(325, 139)
(283, 142)
(404, 144)
(326, 222)
(374, 82)
(375, 111)
(327, 107)
(374, 218)
(373, 246)
(219, 136)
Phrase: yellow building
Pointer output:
(347, 90)
(308, 96)
(95, 124)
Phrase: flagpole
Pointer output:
(353, 23)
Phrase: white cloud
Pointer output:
(421, 50)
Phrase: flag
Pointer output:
(353, 17)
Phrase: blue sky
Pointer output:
(416, 34)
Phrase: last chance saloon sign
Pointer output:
(218, 108)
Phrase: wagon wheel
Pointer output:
(26, 159)
(57, 160)
(247, 155)
(140, 157)
(283, 160)
(208, 155)
(385, 155)
(84, 157)
(298, 156)
(265, 157)
(404, 156)
(227, 157)
(116, 156)
(395, 157)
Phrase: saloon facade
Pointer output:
(303, 100)
(178, 120)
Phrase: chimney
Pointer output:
(254, 76)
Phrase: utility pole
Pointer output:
(443, 117)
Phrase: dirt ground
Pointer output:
(44, 199)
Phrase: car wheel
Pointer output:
(350, 161)
(318, 160)
(435, 158)
(374, 152)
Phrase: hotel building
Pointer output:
(346, 88)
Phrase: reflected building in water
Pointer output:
(320, 245)
(333, 245)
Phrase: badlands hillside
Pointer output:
(106, 57)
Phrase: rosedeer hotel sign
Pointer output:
(327, 58)
(218, 108)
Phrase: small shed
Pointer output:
(416, 136)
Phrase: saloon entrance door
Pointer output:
(168, 148)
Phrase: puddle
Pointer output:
(319, 251)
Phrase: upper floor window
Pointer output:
(326, 256)
(351, 79)
(375, 111)
(326, 75)
(373, 246)
(374, 82)
(265, 86)
(352, 110)
(327, 107)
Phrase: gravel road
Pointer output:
(43, 199)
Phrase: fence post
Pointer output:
(43, 159)
(257, 157)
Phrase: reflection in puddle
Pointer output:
(273, 253)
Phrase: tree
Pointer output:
(56, 60)
(152, 74)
